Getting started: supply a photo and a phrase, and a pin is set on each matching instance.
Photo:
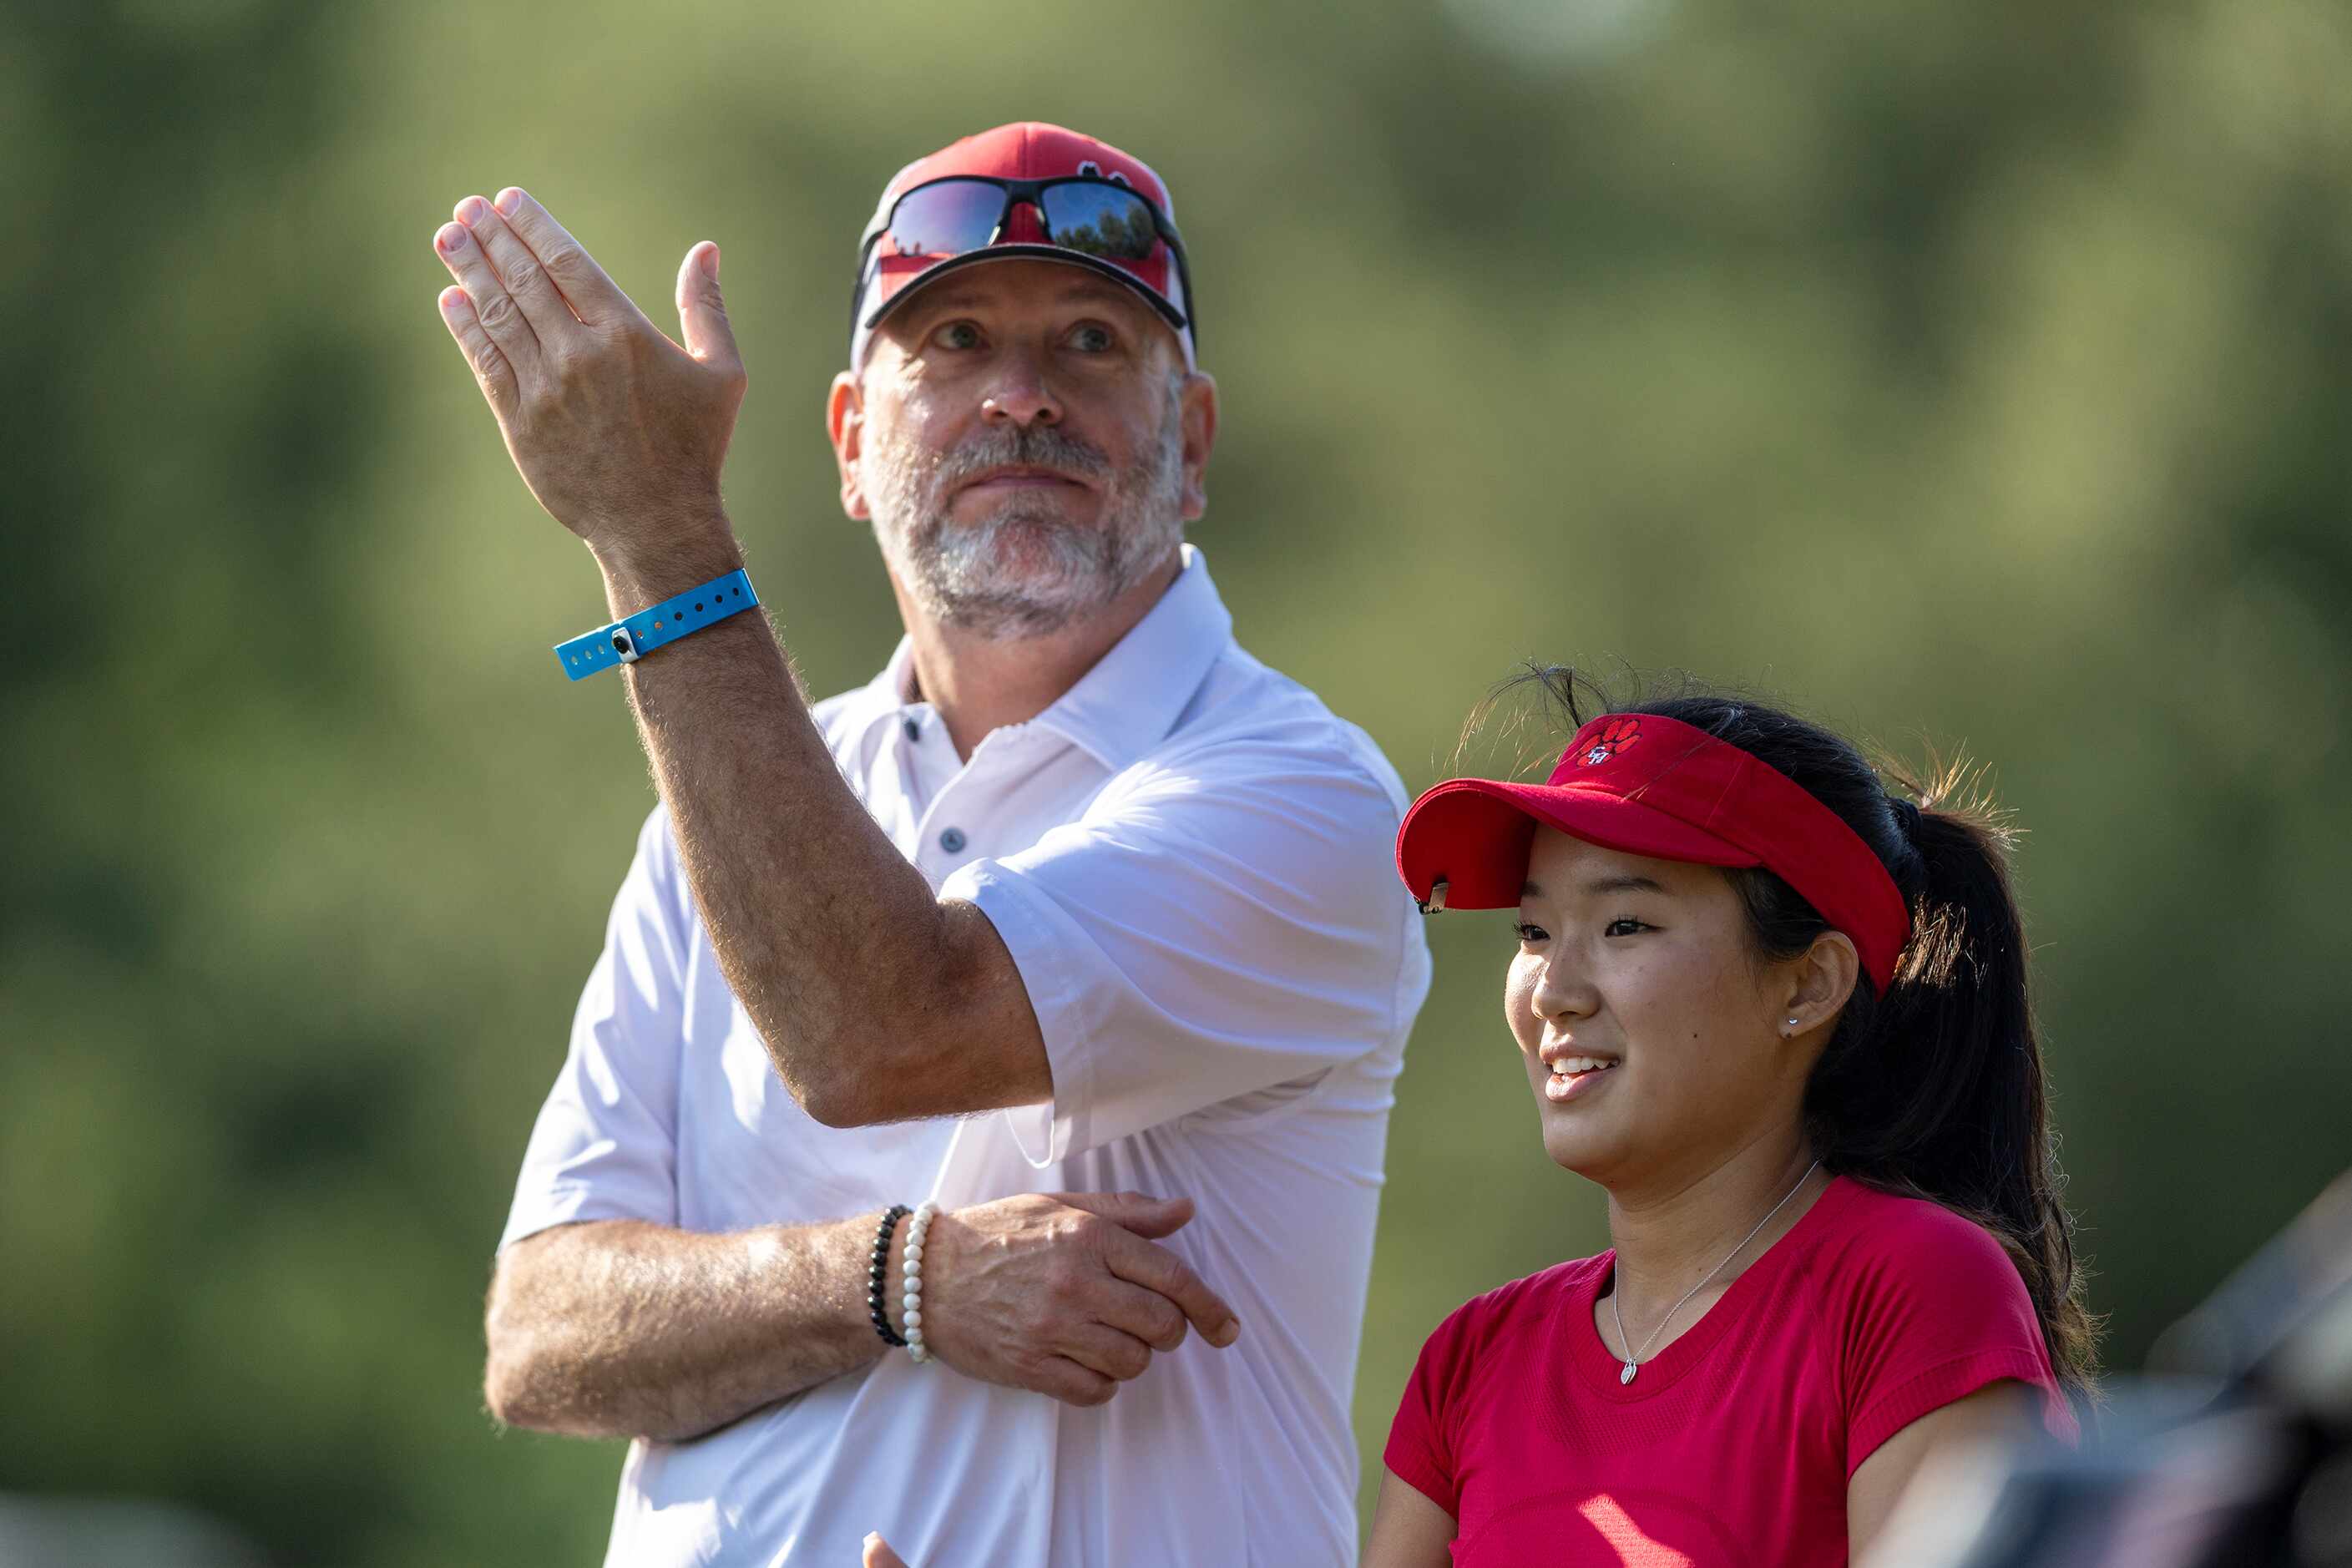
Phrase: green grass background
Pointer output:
(1967, 373)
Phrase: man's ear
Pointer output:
(1197, 402)
(844, 427)
(1820, 984)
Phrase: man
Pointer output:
(1074, 870)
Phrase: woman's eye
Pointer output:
(958, 335)
(1531, 933)
(1624, 926)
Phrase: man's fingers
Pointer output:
(496, 308)
(1147, 1314)
(880, 1556)
(702, 313)
(519, 269)
(1061, 1378)
(1146, 1216)
(491, 368)
(1105, 1349)
(595, 297)
(1156, 1268)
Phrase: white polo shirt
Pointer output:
(1190, 861)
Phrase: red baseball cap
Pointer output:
(1091, 222)
(1644, 785)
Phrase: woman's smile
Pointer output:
(1572, 1075)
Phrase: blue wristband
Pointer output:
(627, 641)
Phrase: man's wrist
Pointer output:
(641, 572)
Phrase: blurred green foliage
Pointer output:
(1967, 373)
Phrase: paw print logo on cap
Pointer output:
(1613, 738)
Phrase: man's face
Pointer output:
(1027, 444)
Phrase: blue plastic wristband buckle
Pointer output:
(627, 641)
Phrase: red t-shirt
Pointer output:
(1735, 1444)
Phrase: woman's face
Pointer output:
(1655, 1036)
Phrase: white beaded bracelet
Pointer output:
(917, 1228)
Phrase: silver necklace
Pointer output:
(1617, 1297)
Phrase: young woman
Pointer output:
(1779, 1014)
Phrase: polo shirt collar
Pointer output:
(1131, 699)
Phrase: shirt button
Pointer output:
(952, 841)
(914, 731)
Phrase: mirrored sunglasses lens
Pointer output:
(1101, 220)
(945, 220)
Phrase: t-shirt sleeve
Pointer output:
(1217, 924)
(605, 1144)
(1420, 1449)
(1934, 1311)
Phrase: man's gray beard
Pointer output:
(1023, 571)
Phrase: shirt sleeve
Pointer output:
(1937, 1311)
(1215, 925)
(1420, 1448)
(605, 1144)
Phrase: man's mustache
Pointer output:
(1034, 446)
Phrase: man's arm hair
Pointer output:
(625, 1329)
(876, 1000)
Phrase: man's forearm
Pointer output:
(813, 911)
(621, 434)
(619, 1328)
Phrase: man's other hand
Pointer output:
(878, 1554)
(1063, 1293)
(620, 432)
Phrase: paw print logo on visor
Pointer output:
(1613, 738)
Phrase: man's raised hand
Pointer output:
(1063, 1293)
(619, 432)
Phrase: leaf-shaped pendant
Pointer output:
(1627, 1375)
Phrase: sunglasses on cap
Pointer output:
(1102, 221)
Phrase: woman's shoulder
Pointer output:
(1917, 1305)
(1878, 1242)
(1535, 1296)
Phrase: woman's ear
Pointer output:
(1820, 984)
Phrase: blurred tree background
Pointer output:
(1974, 373)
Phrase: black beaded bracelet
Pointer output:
(878, 1276)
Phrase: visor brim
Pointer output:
(1474, 834)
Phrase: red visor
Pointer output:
(1643, 784)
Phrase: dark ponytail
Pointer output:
(1935, 1090)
